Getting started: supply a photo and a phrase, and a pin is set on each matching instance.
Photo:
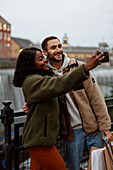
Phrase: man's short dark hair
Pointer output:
(44, 42)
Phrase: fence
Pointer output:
(7, 63)
(12, 154)
(12, 147)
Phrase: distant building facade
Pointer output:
(17, 44)
(5, 38)
(80, 52)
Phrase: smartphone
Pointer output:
(106, 58)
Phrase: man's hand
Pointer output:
(107, 133)
(25, 108)
(93, 61)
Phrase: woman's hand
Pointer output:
(25, 108)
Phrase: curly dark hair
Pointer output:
(25, 65)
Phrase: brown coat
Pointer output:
(91, 105)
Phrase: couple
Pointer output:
(69, 104)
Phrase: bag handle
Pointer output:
(109, 142)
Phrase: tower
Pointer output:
(65, 41)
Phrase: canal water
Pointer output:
(8, 91)
(104, 77)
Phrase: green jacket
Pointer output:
(42, 125)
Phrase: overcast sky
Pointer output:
(86, 22)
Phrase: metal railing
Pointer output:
(12, 153)
(11, 148)
(7, 63)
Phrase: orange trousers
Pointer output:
(46, 158)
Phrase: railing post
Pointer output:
(16, 142)
(7, 119)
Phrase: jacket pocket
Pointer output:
(45, 126)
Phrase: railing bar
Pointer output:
(19, 111)
(19, 125)
(2, 152)
(19, 148)
(110, 106)
(17, 114)
(2, 116)
(108, 99)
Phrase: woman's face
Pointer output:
(40, 62)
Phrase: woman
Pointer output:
(41, 127)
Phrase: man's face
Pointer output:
(54, 50)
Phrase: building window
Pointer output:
(0, 46)
(8, 55)
(0, 26)
(8, 28)
(30, 45)
(5, 55)
(8, 45)
(5, 46)
(16, 50)
(1, 36)
(9, 37)
(4, 27)
(5, 36)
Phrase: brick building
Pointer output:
(5, 38)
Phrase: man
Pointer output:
(87, 110)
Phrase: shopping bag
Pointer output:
(96, 161)
(99, 157)
(108, 155)
(89, 162)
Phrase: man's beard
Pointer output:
(54, 59)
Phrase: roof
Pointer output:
(2, 20)
(23, 43)
(79, 49)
